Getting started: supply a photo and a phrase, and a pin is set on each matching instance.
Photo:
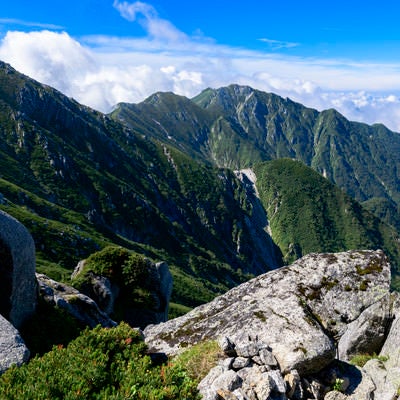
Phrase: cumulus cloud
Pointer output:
(101, 71)
(50, 57)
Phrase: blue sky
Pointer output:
(343, 54)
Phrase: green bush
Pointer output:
(121, 266)
(100, 364)
(107, 262)
(134, 275)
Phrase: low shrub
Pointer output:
(100, 364)
(132, 273)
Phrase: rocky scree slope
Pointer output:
(283, 331)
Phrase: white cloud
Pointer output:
(278, 44)
(130, 11)
(156, 27)
(21, 22)
(52, 58)
(101, 71)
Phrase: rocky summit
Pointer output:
(283, 331)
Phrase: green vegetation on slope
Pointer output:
(79, 181)
(237, 127)
(361, 159)
(170, 119)
(309, 214)
(384, 209)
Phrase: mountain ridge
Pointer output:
(282, 128)
(81, 180)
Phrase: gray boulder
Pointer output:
(166, 282)
(298, 311)
(99, 288)
(385, 372)
(367, 333)
(385, 386)
(12, 347)
(391, 346)
(80, 306)
(335, 395)
(364, 390)
(17, 270)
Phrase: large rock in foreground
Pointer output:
(17, 270)
(12, 347)
(299, 312)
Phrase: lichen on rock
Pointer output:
(296, 314)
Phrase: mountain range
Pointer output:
(229, 184)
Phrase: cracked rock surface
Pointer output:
(300, 311)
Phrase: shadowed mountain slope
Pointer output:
(237, 126)
(156, 178)
(80, 180)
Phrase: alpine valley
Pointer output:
(227, 185)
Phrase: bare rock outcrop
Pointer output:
(285, 326)
(12, 347)
(80, 306)
(300, 311)
(367, 333)
(17, 270)
(99, 288)
(385, 371)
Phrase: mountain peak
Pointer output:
(163, 168)
(223, 97)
